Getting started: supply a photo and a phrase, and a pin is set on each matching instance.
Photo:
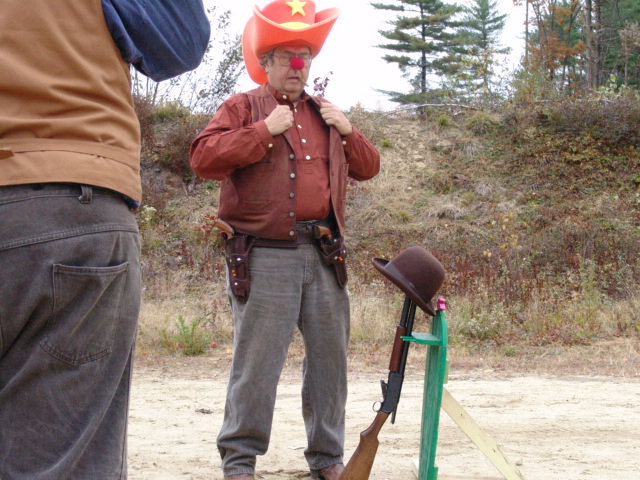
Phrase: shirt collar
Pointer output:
(283, 98)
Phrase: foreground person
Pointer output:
(283, 158)
(69, 243)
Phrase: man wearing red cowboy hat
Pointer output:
(283, 158)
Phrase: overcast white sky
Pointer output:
(350, 51)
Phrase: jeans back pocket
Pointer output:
(87, 302)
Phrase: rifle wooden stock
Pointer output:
(359, 466)
(361, 462)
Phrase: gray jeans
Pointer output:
(289, 288)
(69, 303)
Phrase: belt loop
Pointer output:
(87, 192)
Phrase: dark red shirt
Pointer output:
(310, 137)
(261, 194)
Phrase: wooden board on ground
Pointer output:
(478, 436)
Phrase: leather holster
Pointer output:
(334, 253)
(237, 248)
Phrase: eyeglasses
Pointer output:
(285, 60)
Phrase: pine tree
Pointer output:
(482, 25)
(425, 43)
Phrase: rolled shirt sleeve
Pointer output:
(160, 38)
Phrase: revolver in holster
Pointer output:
(333, 252)
(237, 248)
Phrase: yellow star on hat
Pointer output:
(297, 7)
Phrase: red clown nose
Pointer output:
(297, 63)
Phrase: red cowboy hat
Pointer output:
(283, 22)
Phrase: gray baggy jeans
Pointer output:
(69, 303)
(289, 288)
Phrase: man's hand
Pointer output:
(332, 115)
(280, 120)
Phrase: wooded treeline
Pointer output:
(451, 52)
(450, 49)
(581, 44)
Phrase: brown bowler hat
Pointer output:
(418, 274)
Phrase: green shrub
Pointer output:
(188, 339)
(170, 111)
(443, 121)
(174, 153)
(532, 86)
(481, 122)
(612, 120)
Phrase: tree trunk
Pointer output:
(597, 44)
(588, 37)
(526, 32)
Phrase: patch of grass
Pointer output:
(374, 316)
(481, 122)
(443, 121)
(171, 111)
(188, 339)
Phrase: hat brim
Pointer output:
(261, 35)
(427, 306)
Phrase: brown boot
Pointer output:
(332, 472)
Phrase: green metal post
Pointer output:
(435, 375)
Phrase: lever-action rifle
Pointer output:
(359, 466)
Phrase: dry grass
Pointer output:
(443, 187)
(618, 357)
(375, 314)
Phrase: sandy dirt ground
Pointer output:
(564, 419)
